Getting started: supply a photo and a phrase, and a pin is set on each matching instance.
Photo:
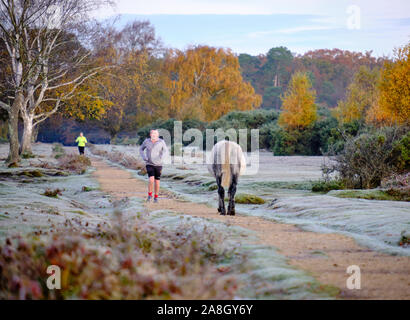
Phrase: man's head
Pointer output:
(81, 134)
(154, 134)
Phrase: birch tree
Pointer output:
(46, 61)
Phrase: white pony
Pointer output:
(226, 164)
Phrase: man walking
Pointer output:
(153, 151)
(81, 140)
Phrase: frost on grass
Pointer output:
(119, 261)
(130, 161)
(285, 183)
(74, 163)
(260, 271)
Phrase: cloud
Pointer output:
(289, 31)
(372, 8)
(258, 25)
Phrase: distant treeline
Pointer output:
(330, 72)
(302, 104)
(313, 140)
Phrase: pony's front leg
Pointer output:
(221, 193)
(231, 194)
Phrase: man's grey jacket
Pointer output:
(153, 153)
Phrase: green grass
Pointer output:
(80, 212)
(87, 189)
(31, 173)
(4, 216)
(370, 194)
(294, 185)
(324, 289)
(326, 186)
(213, 187)
(244, 198)
(28, 155)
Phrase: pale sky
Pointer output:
(255, 26)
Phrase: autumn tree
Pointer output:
(393, 105)
(35, 33)
(362, 94)
(131, 86)
(298, 103)
(205, 83)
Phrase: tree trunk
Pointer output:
(27, 134)
(14, 158)
(35, 133)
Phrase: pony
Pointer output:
(226, 163)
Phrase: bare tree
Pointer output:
(139, 36)
(47, 62)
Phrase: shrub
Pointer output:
(401, 151)
(309, 141)
(143, 132)
(398, 186)
(176, 149)
(252, 119)
(397, 181)
(339, 134)
(291, 142)
(369, 158)
(58, 150)
(74, 163)
(121, 158)
(52, 193)
(117, 262)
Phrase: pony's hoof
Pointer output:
(222, 213)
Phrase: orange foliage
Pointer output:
(205, 83)
(394, 102)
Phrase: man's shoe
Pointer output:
(155, 200)
(149, 198)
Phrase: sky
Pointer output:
(255, 26)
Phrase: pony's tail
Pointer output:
(226, 166)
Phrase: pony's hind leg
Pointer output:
(231, 194)
(221, 193)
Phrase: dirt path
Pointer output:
(324, 256)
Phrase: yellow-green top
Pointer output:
(81, 141)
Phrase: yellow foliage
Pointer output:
(87, 103)
(206, 83)
(394, 100)
(378, 116)
(361, 95)
(298, 103)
